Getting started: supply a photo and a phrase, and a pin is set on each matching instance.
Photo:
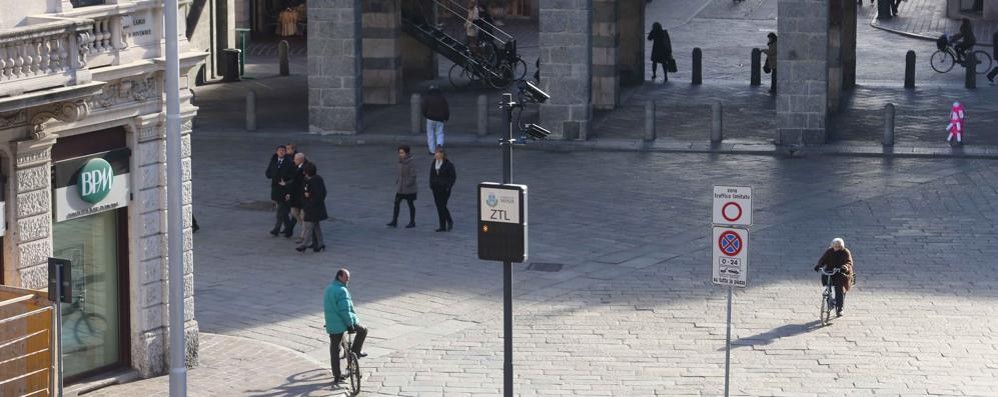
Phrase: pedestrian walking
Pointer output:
(837, 257)
(315, 209)
(279, 172)
(661, 51)
(770, 65)
(894, 6)
(405, 187)
(442, 177)
(338, 310)
(436, 110)
(296, 196)
(956, 125)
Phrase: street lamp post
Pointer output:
(174, 214)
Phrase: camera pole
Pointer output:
(507, 105)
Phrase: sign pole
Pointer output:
(727, 348)
(507, 277)
(58, 322)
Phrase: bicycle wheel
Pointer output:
(942, 61)
(488, 52)
(459, 76)
(502, 78)
(520, 69)
(826, 311)
(90, 329)
(983, 62)
(355, 376)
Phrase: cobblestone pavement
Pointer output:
(231, 366)
(927, 19)
(631, 312)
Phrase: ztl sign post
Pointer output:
(732, 216)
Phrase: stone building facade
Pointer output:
(82, 166)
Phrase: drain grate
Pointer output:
(259, 205)
(545, 267)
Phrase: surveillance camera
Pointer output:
(531, 93)
(536, 132)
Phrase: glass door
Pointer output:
(90, 324)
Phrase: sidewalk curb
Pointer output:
(846, 149)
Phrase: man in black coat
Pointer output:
(295, 194)
(442, 177)
(279, 171)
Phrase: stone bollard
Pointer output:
(889, 124)
(415, 114)
(650, 121)
(716, 125)
(697, 66)
(970, 81)
(909, 69)
(282, 57)
(756, 79)
(483, 115)
(251, 111)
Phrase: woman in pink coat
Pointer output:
(955, 126)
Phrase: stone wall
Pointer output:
(802, 85)
(566, 62)
(334, 66)
(606, 42)
(382, 51)
(631, 52)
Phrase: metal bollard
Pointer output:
(909, 69)
(889, 124)
(756, 79)
(251, 111)
(697, 66)
(483, 115)
(650, 121)
(970, 81)
(415, 114)
(716, 125)
(282, 57)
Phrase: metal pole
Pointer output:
(58, 322)
(727, 347)
(174, 183)
(507, 271)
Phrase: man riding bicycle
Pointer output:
(836, 257)
(340, 318)
(964, 40)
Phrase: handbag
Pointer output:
(671, 65)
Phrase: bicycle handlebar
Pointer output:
(832, 273)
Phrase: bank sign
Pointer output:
(90, 185)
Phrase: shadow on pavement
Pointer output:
(768, 337)
(316, 382)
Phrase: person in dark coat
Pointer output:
(405, 187)
(279, 172)
(964, 40)
(436, 111)
(315, 209)
(442, 177)
(837, 257)
(661, 50)
(770, 65)
(296, 195)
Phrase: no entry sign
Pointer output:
(732, 205)
(730, 256)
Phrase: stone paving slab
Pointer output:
(233, 366)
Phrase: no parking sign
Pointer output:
(730, 256)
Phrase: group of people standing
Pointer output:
(299, 195)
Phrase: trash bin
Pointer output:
(230, 59)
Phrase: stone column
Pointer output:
(566, 64)
(30, 231)
(836, 12)
(382, 52)
(605, 42)
(802, 86)
(849, 45)
(334, 66)
(631, 52)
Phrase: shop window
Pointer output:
(86, 3)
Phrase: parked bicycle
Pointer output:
(945, 58)
(89, 328)
(827, 297)
(353, 363)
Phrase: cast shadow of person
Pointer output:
(768, 337)
(312, 383)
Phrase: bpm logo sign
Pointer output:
(94, 182)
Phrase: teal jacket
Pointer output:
(338, 308)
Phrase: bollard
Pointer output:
(483, 115)
(909, 69)
(756, 79)
(889, 124)
(970, 81)
(650, 121)
(697, 66)
(251, 111)
(716, 125)
(415, 114)
(230, 58)
(282, 57)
